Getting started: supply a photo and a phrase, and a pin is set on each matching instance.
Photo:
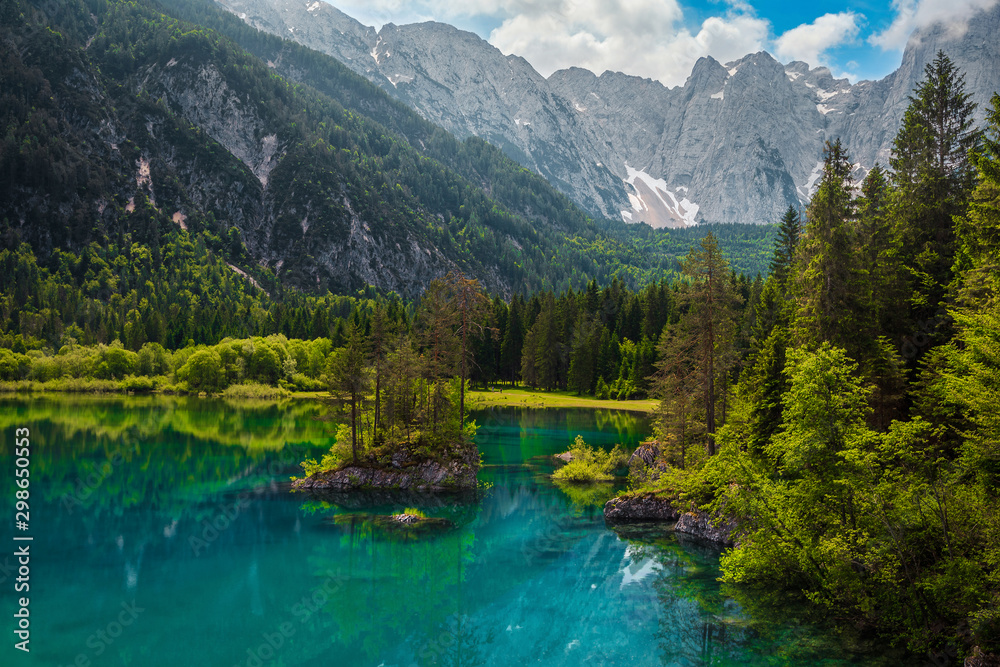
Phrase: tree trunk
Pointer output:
(354, 427)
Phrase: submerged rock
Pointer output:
(639, 508)
(707, 527)
(403, 471)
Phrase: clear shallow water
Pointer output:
(164, 534)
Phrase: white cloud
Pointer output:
(915, 14)
(640, 37)
(809, 41)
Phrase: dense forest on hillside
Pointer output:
(123, 123)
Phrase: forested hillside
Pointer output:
(124, 125)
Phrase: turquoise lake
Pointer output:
(165, 534)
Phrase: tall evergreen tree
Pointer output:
(349, 376)
(933, 178)
(828, 275)
(711, 302)
(879, 250)
(978, 257)
(471, 308)
(789, 231)
(513, 341)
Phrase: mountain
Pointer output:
(738, 142)
(128, 122)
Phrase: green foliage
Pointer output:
(789, 231)
(202, 371)
(254, 390)
(588, 465)
(859, 457)
(933, 178)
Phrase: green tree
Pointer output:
(711, 301)
(933, 178)
(203, 371)
(350, 376)
(978, 260)
(829, 276)
(471, 309)
(789, 231)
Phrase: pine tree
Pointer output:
(828, 272)
(789, 231)
(933, 178)
(978, 257)
(513, 341)
(678, 384)
(349, 375)
(471, 308)
(709, 324)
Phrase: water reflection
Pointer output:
(182, 510)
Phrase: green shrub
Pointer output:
(13, 366)
(339, 453)
(116, 362)
(589, 464)
(254, 390)
(153, 360)
(139, 384)
(202, 371)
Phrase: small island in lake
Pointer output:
(402, 414)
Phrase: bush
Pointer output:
(339, 453)
(139, 384)
(13, 366)
(202, 371)
(153, 360)
(589, 464)
(302, 382)
(45, 368)
(264, 365)
(254, 390)
(116, 362)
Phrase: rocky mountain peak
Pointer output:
(738, 142)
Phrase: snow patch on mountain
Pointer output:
(653, 203)
(811, 186)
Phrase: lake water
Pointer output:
(164, 533)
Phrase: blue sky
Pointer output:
(662, 39)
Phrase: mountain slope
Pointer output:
(122, 121)
(738, 142)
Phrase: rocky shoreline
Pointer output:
(404, 472)
(648, 508)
